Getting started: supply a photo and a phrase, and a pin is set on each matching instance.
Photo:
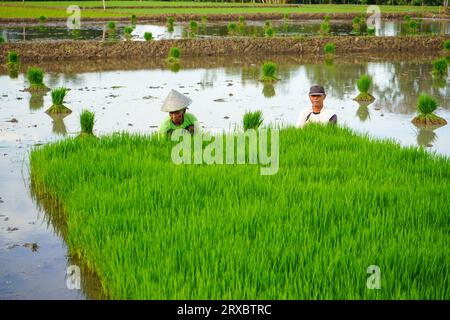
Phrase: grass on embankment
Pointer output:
(58, 9)
(338, 204)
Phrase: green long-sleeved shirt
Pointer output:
(189, 119)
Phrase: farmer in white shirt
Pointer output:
(316, 113)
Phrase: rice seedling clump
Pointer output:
(57, 107)
(426, 105)
(363, 84)
(35, 77)
(269, 72)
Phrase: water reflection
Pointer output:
(36, 101)
(96, 31)
(59, 126)
(56, 220)
(268, 90)
(426, 136)
(363, 111)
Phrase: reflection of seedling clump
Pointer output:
(35, 77)
(363, 84)
(440, 67)
(330, 49)
(57, 100)
(148, 36)
(252, 120)
(269, 70)
(86, 123)
(133, 19)
(42, 19)
(426, 105)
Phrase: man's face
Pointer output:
(317, 101)
(177, 117)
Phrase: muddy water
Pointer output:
(126, 96)
(97, 31)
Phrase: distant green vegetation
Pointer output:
(339, 203)
(52, 9)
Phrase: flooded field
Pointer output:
(98, 31)
(127, 96)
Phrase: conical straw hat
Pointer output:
(175, 101)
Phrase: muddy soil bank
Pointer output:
(91, 50)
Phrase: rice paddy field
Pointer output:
(339, 203)
(369, 192)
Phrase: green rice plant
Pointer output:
(58, 107)
(252, 120)
(330, 48)
(232, 28)
(111, 26)
(407, 18)
(241, 20)
(370, 31)
(327, 18)
(267, 24)
(339, 203)
(193, 25)
(86, 123)
(13, 57)
(42, 19)
(128, 30)
(170, 21)
(270, 32)
(133, 19)
(447, 45)
(35, 77)
(364, 82)
(2, 40)
(412, 26)
(148, 36)
(174, 55)
(269, 72)
(440, 67)
(325, 28)
(426, 105)
(356, 24)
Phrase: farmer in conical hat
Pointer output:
(176, 104)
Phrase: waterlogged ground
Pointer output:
(126, 96)
(98, 31)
